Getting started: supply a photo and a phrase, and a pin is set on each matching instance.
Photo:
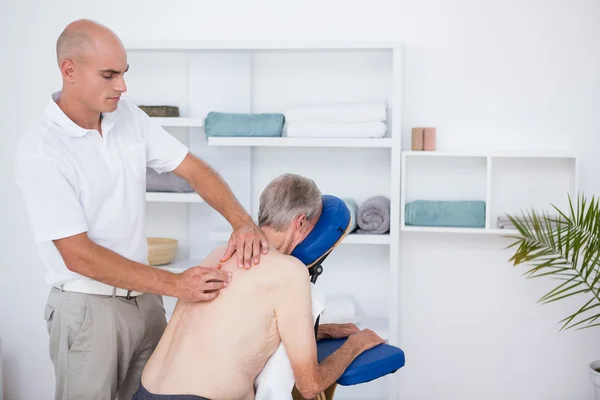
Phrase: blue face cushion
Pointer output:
(329, 230)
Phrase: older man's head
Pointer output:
(290, 207)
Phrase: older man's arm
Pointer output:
(295, 324)
(336, 331)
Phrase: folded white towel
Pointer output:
(340, 309)
(276, 380)
(338, 112)
(374, 129)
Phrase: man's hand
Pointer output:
(247, 241)
(200, 283)
(366, 339)
(336, 331)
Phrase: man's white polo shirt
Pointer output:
(75, 180)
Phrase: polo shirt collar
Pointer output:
(57, 115)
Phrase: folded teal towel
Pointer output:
(229, 124)
(464, 214)
(353, 208)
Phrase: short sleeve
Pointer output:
(164, 152)
(51, 198)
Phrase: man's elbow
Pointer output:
(308, 390)
(73, 250)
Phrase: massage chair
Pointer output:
(331, 228)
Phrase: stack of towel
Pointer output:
(339, 120)
(166, 182)
(243, 125)
(462, 214)
(505, 223)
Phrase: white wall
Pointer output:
(504, 74)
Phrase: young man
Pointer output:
(216, 350)
(82, 170)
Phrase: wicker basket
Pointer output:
(161, 111)
(161, 251)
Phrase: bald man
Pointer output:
(81, 168)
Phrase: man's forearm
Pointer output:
(217, 193)
(333, 367)
(99, 263)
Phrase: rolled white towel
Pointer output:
(373, 129)
(338, 112)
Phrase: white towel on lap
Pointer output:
(338, 112)
(276, 380)
(376, 129)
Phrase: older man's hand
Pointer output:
(246, 241)
(336, 331)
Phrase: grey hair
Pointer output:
(287, 197)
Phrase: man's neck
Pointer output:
(278, 240)
(79, 113)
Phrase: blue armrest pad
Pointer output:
(372, 364)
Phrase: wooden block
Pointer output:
(429, 139)
(417, 138)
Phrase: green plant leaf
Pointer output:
(565, 247)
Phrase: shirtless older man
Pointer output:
(215, 350)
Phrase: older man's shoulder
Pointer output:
(284, 266)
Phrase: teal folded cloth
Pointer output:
(242, 125)
(462, 213)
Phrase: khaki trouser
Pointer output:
(100, 344)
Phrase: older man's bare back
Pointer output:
(216, 349)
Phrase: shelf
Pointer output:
(298, 142)
(259, 45)
(179, 122)
(223, 236)
(442, 229)
(505, 154)
(160, 197)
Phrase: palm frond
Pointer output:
(564, 247)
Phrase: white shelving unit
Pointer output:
(255, 77)
(298, 142)
(222, 236)
(478, 175)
